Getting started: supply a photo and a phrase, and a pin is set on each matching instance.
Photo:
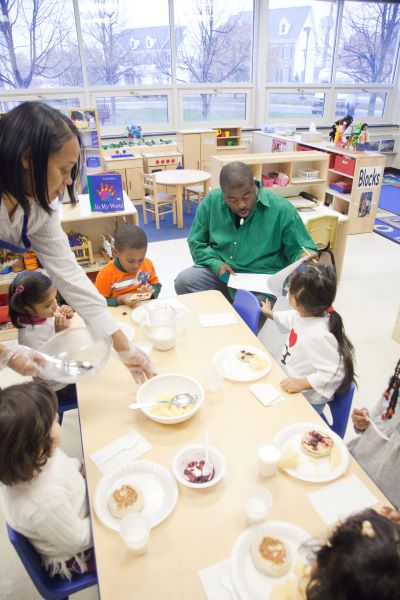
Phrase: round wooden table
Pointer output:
(179, 178)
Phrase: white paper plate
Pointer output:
(317, 470)
(249, 583)
(127, 329)
(156, 484)
(140, 314)
(229, 366)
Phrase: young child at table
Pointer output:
(360, 561)
(378, 455)
(43, 495)
(35, 313)
(130, 272)
(317, 356)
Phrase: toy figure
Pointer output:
(356, 134)
(135, 131)
(364, 135)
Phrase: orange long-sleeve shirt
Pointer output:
(112, 281)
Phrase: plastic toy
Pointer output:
(135, 131)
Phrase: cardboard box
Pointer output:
(105, 192)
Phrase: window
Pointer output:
(214, 41)
(108, 28)
(291, 105)
(360, 105)
(118, 112)
(214, 107)
(312, 30)
(38, 45)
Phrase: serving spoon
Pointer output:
(180, 401)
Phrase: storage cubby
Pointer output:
(229, 140)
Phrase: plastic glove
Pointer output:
(22, 359)
(139, 364)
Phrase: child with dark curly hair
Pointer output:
(377, 448)
(43, 495)
(360, 561)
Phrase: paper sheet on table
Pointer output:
(211, 577)
(339, 500)
(125, 448)
(215, 319)
(259, 282)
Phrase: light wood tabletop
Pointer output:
(180, 178)
(204, 525)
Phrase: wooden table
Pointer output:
(180, 178)
(205, 524)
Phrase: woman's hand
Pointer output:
(359, 418)
(294, 386)
(138, 363)
(21, 359)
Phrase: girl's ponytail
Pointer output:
(346, 349)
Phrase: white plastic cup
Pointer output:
(214, 380)
(257, 501)
(268, 456)
(135, 532)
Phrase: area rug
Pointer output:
(387, 222)
(167, 231)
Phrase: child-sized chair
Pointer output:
(323, 231)
(340, 408)
(67, 400)
(157, 203)
(248, 307)
(50, 588)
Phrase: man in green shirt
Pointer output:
(242, 228)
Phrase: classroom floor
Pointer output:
(368, 299)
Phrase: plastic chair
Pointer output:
(157, 203)
(248, 307)
(340, 408)
(323, 231)
(67, 400)
(50, 588)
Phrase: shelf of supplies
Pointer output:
(302, 180)
(346, 197)
(341, 174)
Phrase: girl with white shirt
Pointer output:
(318, 357)
(39, 156)
(43, 493)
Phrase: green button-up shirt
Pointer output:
(271, 238)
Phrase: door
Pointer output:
(208, 148)
(134, 184)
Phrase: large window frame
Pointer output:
(257, 92)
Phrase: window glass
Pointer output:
(360, 105)
(116, 113)
(214, 41)
(300, 41)
(38, 45)
(368, 42)
(61, 104)
(126, 42)
(214, 107)
(290, 105)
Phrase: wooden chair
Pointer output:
(194, 193)
(157, 203)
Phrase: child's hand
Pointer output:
(294, 386)
(127, 300)
(146, 289)
(266, 308)
(67, 311)
(60, 323)
(391, 513)
(358, 416)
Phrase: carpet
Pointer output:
(387, 221)
(167, 231)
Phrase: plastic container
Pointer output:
(267, 181)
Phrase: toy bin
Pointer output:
(344, 187)
(344, 164)
(267, 181)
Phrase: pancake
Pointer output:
(316, 444)
(270, 555)
(124, 501)
(254, 361)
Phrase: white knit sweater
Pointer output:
(52, 511)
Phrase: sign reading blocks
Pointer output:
(105, 192)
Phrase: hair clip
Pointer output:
(19, 289)
(367, 530)
(330, 309)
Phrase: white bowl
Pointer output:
(196, 452)
(169, 384)
(78, 344)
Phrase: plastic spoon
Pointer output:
(180, 400)
(208, 466)
(378, 431)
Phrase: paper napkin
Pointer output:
(214, 319)
(127, 447)
(339, 500)
(216, 580)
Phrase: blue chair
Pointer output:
(248, 307)
(340, 408)
(67, 400)
(50, 588)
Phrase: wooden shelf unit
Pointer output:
(197, 147)
(230, 144)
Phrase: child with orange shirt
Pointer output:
(130, 273)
